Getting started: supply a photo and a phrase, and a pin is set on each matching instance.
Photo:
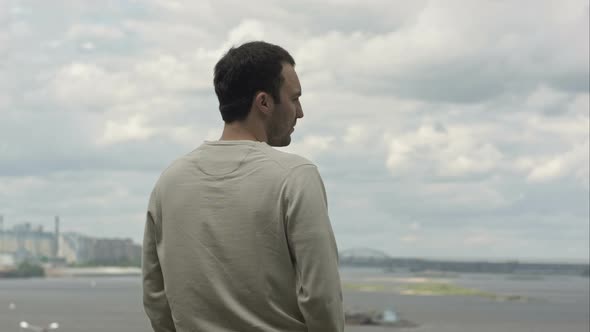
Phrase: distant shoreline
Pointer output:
(99, 271)
(69, 272)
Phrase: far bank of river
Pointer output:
(64, 272)
(106, 271)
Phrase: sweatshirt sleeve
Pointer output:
(314, 251)
(155, 301)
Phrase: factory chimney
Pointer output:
(56, 239)
(1, 233)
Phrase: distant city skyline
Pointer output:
(26, 241)
(34, 227)
(43, 227)
(451, 129)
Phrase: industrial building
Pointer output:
(23, 241)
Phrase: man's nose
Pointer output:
(299, 112)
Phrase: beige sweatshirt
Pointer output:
(238, 239)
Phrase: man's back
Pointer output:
(239, 237)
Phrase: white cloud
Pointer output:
(101, 32)
(580, 104)
(398, 158)
(192, 136)
(483, 196)
(479, 159)
(89, 86)
(247, 30)
(311, 145)
(452, 151)
(89, 46)
(356, 134)
(569, 128)
(5, 101)
(20, 29)
(168, 72)
(466, 119)
(169, 36)
(86, 85)
(198, 8)
(546, 97)
(574, 163)
(415, 226)
(481, 239)
(20, 186)
(170, 5)
(131, 129)
(548, 170)
(409, 238)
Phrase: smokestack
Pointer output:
(37, 240)
(1, 233)
(56, 240)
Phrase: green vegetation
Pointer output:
(437, 274)
(525, 277)
(435, 288)
(368, 287)
(25, 269)
(111, 262)
(28, 269)
(429, 288)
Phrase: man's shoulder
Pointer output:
(275, 162)
(287, 160)
(174, 166)
(172, 172)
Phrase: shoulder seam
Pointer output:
(307, 162)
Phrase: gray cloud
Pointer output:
(441, 129)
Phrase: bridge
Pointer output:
(367, 257)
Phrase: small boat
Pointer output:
(387, 317)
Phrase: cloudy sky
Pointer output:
(449, 129)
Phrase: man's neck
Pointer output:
(240, 131)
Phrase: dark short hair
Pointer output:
(246, 70)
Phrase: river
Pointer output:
(560, 304)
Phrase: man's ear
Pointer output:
(264, 103)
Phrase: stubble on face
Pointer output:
(284, 117)
(279, 132)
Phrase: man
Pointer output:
(237, 237)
